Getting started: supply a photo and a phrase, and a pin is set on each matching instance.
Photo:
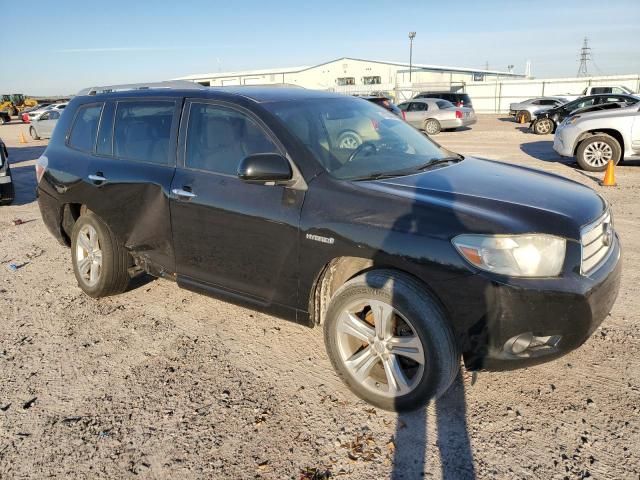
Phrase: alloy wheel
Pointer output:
(349, 141)
(544, 126)
(89, 255)
(431, 128)
(598, 154)
(380, 348)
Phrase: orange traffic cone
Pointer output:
(22, 138)
(522, 119)
(609, 176)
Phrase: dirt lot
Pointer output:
(163, 383)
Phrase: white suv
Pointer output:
(595, 138)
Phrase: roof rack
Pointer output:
(181, 84)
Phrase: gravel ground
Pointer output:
(163, 383)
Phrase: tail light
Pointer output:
(458, 113)
(459, 103)
(25, 117)
(41, 167)
(404, 116)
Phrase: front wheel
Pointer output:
(100, 263)
(543, 126)
(595, 152)
(33, 133)
(389, 341)
(432, 126)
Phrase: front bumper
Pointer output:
(564, 140)
(566, 310)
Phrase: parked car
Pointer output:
(596, 138)
(42, 125)
(27, 117)
(525, 112)
(601, 89)
(385, 103)
(7, 191)
(4, 117)
(408, 255)
(458, 99)
(433, 115)
(547, 120)
(40, 107)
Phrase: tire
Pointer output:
(349, 140)
(587, 156)
(112, 277)
(408, 300)
(543, 126)
(33, 133)
(432, 126)
(4, 120)
(523, 114)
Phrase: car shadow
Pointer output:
(543, 150)
(410, 456)
(18, 155)
(24, 182)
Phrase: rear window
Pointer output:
(85, 127)
(142, 130)
(444, 104)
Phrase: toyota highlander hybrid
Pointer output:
(409, 256)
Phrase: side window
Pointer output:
(218, 138)
(142, 130)
(44, 116)
(104, 145)
(616, 90)
(403, 106)
(536, 102)
(85, 127)
(417, 107)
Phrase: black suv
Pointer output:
(546, 121)
(407, 254)
(458, 99)
(7, 191)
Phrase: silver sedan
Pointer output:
(433, 115)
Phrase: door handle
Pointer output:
(178, 192)
(97, 178)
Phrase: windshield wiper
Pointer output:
(440, 161)
(380, 175)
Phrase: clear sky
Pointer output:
(58, 47)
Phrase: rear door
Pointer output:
(231, 235)
(130, 173)
(416, 113)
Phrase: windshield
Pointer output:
(354, 139)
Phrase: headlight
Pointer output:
(534, 255)
(571, 120)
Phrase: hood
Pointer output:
(492, 197)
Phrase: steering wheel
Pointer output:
(369, 145)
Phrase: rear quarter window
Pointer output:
(85, 127)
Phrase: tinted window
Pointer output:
(444, 104)
(219, 138)
(418, 107)
(85, 127)
(548, 102)
(142, 131)
(403, 106)
(104, 146)
(595, 90)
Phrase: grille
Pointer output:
(596, 239)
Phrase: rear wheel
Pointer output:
(4, 120)
(544, 126)
(33, 133)
(594, 152)
(523, 117)
(432, 126)
(389, 341)
(100, 264)
(349, 140)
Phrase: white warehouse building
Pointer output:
(354, 75)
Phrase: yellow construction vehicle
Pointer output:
(15, 103)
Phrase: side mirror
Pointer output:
(265, 167)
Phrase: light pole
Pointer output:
(412, 35)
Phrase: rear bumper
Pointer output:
(457, 122)
(565, 311)
(51, 212)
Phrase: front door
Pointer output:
(416, 113)
(228, 234)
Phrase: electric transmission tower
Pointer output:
(585, 56)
